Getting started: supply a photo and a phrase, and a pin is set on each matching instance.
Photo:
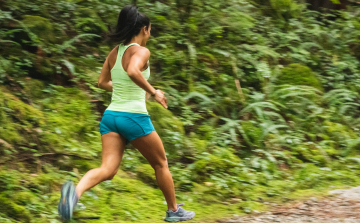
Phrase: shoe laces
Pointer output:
(179, 205)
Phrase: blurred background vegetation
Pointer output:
(263, 103)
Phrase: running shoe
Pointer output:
(68, 201)
(179, 215)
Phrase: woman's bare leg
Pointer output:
(151, 147)
(113, 146)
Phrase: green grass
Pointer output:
(129, 200)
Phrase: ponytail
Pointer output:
(129, 24)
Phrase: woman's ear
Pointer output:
(145, 30)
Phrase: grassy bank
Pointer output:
(264, 101)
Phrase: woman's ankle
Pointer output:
(78, 192)
(173, 208)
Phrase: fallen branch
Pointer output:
(238, 86)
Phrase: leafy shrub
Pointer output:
(297, 74)
(286, 9)
(253, 133)
(222, 160)
(88, 21)
(14, 210)
(41, 26)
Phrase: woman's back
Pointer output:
(127, 96)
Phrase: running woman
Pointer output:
(125, 73)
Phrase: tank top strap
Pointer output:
(124, 48)
(121, 50)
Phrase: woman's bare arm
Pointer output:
(138, 61)
(104, 81)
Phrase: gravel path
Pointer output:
(339, 206)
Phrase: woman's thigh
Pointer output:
(152, 148)
(113, 146)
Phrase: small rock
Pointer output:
(235, 200)
(209, 184)
(308, 203)
(38, 130)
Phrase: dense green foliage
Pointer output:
(263, 101)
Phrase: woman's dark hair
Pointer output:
(129, 24)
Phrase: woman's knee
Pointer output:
(108, 173)
(161, 165)
(111, 177)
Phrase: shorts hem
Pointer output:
(146, 133)
(106, 132)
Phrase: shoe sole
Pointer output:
(177, 219)
(64, 206)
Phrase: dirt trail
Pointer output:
(339, 206)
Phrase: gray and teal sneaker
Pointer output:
(179, 215)
(68, 201)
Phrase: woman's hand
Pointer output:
(160, 97)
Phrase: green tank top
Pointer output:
(126, 96)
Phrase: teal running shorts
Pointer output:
(130, 125)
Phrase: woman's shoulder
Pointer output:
(142, 50)
(113, 52)
(112, 56)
